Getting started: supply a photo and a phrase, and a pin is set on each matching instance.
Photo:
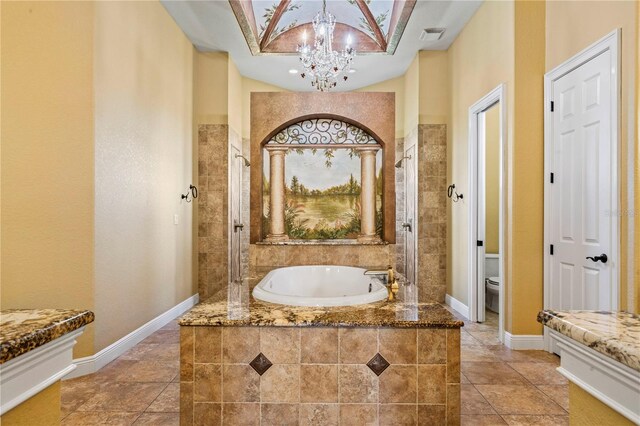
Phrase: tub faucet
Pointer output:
(388, 279)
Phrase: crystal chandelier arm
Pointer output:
(280, 9)
(371, 20)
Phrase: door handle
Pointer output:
(406, 226)
(237, 226)
(602, 258)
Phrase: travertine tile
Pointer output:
(123, 397)
(536, 420)
(281, 383)
(398, 415)
(240, 384)
(472, 402)
(281, 345)
(432, 415)
(559, 394)
(453, 404)
(398, 384)
(319, 414)
(186, 403)
(207, 386)
(100, 417)
(539, 373)
(477, 353)
(168, 401)
(398, 346)
(358, 414)
(481, 420)
(279, 414)
(432, 346)
(519, 399)
(240, 414)
(358, 345)
(358, 384)
(148, 371)
(431, 384)
(319, 383)
(208, 344)
(206, 414)
(240, 344)
(158, 419)
(493, 373)
(453, 356)
(186, 353)
(319, 345)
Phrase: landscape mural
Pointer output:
(322, 194)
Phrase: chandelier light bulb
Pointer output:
(304, 37)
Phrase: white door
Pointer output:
(581, 224)
(410, 209)
(481, 200)
(235, 200)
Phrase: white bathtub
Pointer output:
(319, 285)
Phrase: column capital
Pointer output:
(273, 149)
(367, 149)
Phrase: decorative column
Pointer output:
(277, 193)
(368, 194)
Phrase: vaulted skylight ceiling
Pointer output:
(277, 26)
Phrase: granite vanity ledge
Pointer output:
(342, 242)
(613, 334)
(23, 330)
(216, 312)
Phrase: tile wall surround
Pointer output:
(400, 207)
(319, 376)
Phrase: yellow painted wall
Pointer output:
(234, 95)
(434, 102)
(211, 88)
(585, 410)
(480, 59)
(412, 96)
(397, 86)
(637, 178)
(566, 36)
(47, 157)
(42, 409)
(492, 178)
(525, 188)
(143, 146)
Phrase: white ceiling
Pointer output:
(212, 26)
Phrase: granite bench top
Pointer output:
(23, 330)
(236, 307)
(613, 334)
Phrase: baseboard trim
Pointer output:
(457, 305)
(524, 341)
(93, 363)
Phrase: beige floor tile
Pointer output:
(539, 373)
(148, 371)
(481, 420)
(173, 325)
(164, 336)
(559, 393)
(158, 419)
(472, 402)
(543, 356)
(491, 373)
(477, 353)
(153, 351)
(466, 339)
(124, 397)
(519, 399)
(486, 337)
(100, 418)
(506, 354)
(537, 420)
(168, 401)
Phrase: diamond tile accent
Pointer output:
(261, 364)
(378, 364)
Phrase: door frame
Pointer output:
(497, 95)
(415, 222)
(611, 43)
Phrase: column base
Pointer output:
(369, 238)
(276, 238)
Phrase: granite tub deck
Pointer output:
(23, 330)
(248, 362)
(613, 334)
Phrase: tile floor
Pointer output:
(499, 386)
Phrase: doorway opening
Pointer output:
(487, 142)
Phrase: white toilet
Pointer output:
(492, 292)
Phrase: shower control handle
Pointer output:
(237, 226)
(406, 226)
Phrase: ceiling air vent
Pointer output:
(431, 34)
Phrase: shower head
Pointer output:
(399, 163)
(246, 162)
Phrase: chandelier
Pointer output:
(321, 63)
